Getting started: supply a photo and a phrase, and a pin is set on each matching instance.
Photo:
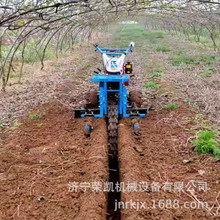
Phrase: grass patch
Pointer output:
(182, 59)
(40, 124)
(135, 32)
(130, 32)
(163, 49)
(35, 116)
(206, 144)
(180, 52)
(207, 72)
(32, 53)
(68, 74)
(201, 122)
(198, 117)
(152, 36)
(87, 65)
(152, 84)
(204, 40)
(171, 106)
(158, 73)
(13, 76)
(185, 101)
(2, 124)
(17, 124)
(207, 59)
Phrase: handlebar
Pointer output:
(120, 51)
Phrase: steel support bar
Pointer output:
(124, 100)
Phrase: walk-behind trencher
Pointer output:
(112, 101)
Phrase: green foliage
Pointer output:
(87, 65)
(4, 51)
(163, 49)
(130, 32)
(168, 5)
(81, 21)
(152, 84)
(17, 124)
(158, 73)
(14, 76)
(40, 124)
(2, 124)
(208, 59)
(182, 59)
(205, 39)
(134, 32)
(180, 52)
(207, 72)
(198, 117)
(35, 116)
(171, 106)
(206, 144)
(185, 101)
(153, 35)
(30, 55)
(201, 122)
(202, 35)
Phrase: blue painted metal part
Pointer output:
(105, 50)
(114, 54)
(103, 79)
(109, 49)
(110, 78)
(136, 126)
(88, 128)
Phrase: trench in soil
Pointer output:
(114, 177)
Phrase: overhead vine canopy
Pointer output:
(21, 21)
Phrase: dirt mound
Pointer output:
(42, 156)
(136, 97)
(92, 99)
(162, 154)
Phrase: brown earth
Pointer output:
(163, 153)
(42, 156)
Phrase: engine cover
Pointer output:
(114, 65)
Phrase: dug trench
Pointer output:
(41, 157)
(113, 163)
(114, 177)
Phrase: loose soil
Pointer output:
(163, 153)
(41, 157)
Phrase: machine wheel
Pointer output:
(92, 99)
(135, 97)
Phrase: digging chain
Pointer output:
(112, 129)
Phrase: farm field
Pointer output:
(45, 150)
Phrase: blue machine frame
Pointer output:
(103, 92)
(106, 50)
(103, 80)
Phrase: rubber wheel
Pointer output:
(135, 97)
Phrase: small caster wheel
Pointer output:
(88, 127)
(136, 126)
